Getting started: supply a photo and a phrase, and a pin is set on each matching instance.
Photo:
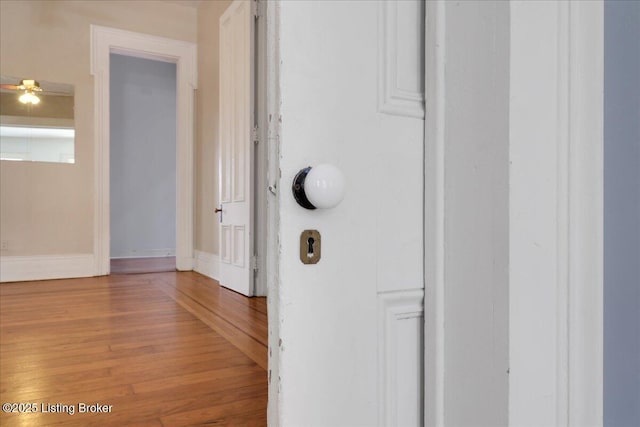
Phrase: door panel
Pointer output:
(236, 123)
(350, 326)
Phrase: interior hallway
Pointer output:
(164, 349)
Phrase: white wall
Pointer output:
(142, 157)
(622, 214)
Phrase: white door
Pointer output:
(236, 167)
(351, 326)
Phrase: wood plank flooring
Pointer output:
(161, 349)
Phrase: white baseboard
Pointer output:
(207, 264)
(45, 267)
(146, 253)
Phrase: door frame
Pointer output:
(260, 152)
(269, 84)
(104, 41)
(556, 295)
(434, 213)
(566, 387)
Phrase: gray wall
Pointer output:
(142, 157)
(622, 214)
(476, 180)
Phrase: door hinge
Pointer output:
(254, 263)
(255, 6)
(255, 134)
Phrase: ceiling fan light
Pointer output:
(29, 98)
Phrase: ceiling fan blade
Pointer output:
(9, 87)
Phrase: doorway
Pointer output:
(104, 42)
(142, 165)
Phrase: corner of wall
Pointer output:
(207, 264)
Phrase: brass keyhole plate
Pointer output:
(310, 245)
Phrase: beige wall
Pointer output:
(206, 238)
(48, 208)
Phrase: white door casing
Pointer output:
(555, 213)
(237, 26)
(104, 41)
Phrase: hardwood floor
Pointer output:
(161, 349)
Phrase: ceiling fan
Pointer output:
(30, 88)
(25, 84)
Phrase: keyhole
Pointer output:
(310, 242)
(310, 246)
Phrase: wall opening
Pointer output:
(142, 164)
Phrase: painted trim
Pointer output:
(207, 264)
(147, 253)
(45, 267)
(260, 150)
(109, 40)
(434, 197)
(585, 223)
(393, 307)
(391, 98)
(274, 181)
(556, 214)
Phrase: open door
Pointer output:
(236, 161)
(349, 328)
(237, 26)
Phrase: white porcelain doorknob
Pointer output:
(319, 187)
